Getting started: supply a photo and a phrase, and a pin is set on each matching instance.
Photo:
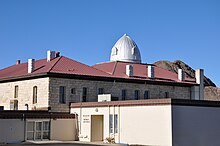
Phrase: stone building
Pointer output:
(57, 81)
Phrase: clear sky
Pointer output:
(86, 30)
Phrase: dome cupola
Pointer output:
(125, 49)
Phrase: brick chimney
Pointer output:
(200, 80)
(150, 69)
(31, 65)
(50, 55)
(181, 75)
(18, 62)
(129, 70)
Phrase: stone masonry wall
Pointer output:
(25, 93)
(113, 88)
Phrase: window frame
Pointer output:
(62, 94)
(136, 94)
(84, 94)
(16, 92)
(167, 95)
(73, 91)
(146, 94)
(101, 91)
(34, 94)
(123, 94)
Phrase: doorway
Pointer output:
(96, 128)
(38, 130)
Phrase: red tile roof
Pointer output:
(140, 71)
(61, 64)
(64, 65)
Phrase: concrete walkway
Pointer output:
(64, 143)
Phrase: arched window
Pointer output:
(115, 51)
(133, 51)
(34, 94)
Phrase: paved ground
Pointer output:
(60, 143)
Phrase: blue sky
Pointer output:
(86, 30)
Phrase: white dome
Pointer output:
(125, 49)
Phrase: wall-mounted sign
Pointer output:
(86, 119)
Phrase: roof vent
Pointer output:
(18, 62)
(129, 70)
(31, 65)
(50, 55)
(150, 69)
(181, 75)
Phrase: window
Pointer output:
(146, 94)
(14, 105)
(73, 91)
(114, 51)
(123, 94)
(16, 92)
(84, 96)
(136, 94)
(113, 123)
(166, 94)
(38, 130)
(101, 90)
(62, 95)
(116, 123)
(133, 51)
(34, 94)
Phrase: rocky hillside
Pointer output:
(211, 92)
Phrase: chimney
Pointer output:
(200, 80)
(50, 55)
(18, 62)
(57, 54)
(181, 75)
(150, 69)
(31, 65)
(129, 70)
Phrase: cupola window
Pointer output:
(115, 51)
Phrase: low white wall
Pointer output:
(63, 129)
(11, 130)
(148, 125)
(196, 126)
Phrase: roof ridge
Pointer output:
(55, 63)
(116, 62)
(100, 70)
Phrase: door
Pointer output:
(39, 130)
(97, 128)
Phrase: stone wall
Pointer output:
(25, 93)
(113, 88)
(48, 92)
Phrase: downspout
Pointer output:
(119, 124)
(80, 132)
(108, 121)
(25, 128)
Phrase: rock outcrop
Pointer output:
(211, 92)
(174, 66)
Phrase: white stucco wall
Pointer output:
(11, 130)
(146, 125)
(196, 126)
(63, 129)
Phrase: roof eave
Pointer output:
(92, 77)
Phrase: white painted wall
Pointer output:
(196, 126)
(11, 130)
(63, 129)
(146, 125)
